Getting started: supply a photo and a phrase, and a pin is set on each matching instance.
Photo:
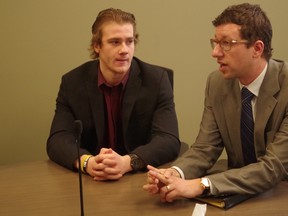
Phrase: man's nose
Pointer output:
(123, 48)
(217, 51)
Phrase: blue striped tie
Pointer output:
(247, 127)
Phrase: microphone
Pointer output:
(78, 132)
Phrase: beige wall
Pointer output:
(42, 40)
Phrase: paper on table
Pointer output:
(199, 210)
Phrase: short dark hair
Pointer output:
(108, 15)
(254, 23)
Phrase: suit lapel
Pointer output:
(231, 106)
(131, 93)
(265, 105)
(96, 102)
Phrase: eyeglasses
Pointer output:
(226, 45)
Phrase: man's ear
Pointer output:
(97, 47)
(258, 48)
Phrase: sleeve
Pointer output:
(163, 144)
(61, 144)
(208, 146)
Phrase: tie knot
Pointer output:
(246, 95)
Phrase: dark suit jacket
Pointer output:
(220, 127)
(150, 127)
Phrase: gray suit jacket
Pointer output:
(220, 128)
(149, 122)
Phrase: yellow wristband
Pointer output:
(84, 160)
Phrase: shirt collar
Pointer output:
(101, 79)
(254, 87)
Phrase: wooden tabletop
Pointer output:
(45, 188)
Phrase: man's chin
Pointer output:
(121, 70)
(226, 74)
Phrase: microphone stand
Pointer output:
(79, 128)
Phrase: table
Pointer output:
(45, 188)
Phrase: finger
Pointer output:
(168, 173)
(109, 151)
(99, 177)
(112, 171)
(98, 158)
(99, 173)
(160, 171)
(153, 184)
(166, 193)
(99, 167)
(104, 150)
(107, 177)
(160, 177)
(170, 196)
(109, 162)
(149, 167)
(151, 189)
(165, 189)
(106, 159)
(152, 180)
(162, 195)
(149, 176)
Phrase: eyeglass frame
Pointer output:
(228, 45)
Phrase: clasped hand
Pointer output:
(108, 165)
(169, 185)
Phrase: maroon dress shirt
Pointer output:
(113, 96)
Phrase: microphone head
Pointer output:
(78, 127)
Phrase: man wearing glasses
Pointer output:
(245, 113)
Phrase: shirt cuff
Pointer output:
(212, 192)
(179, 171)
(211, 187)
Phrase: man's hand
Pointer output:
(108, 165)
(154, 185)
(167, 183)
